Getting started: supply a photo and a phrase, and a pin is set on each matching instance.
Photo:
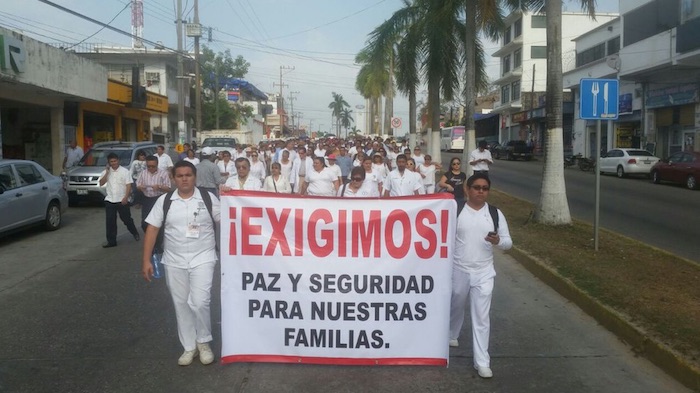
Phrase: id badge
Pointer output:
(192, 230)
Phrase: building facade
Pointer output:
(523, 73)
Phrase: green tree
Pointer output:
(371, 82)
(346, 119)
(337, 106)
(217, 68)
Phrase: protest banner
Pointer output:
(336, 280)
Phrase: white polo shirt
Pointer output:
(251, 183)
(335, 169)
(181, 251)
(429, 173)
(116, 184)
(73, 156)
(321, 183)
(164, 161)
(401, 185)
(472, 252)
(478, 155)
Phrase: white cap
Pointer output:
(207, 151)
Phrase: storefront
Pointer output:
(39, 89)
(674, 111)
(533, 126)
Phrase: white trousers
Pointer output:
(190, 290)
(478, 287)
(430, 188)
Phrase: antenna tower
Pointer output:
(137, 23)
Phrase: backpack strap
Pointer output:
(493, 210)
(158, 247)
(342, 193)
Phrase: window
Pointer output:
(590, 55)
(518, 28)
(506, 36)
(539, 22)
(614, 46)
(538, 52)
(7, 178)
(28, 174)
(652, 18)
(506, 64)
(505, 94)
(517, 58)
(516, 90)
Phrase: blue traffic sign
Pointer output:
(599, 99)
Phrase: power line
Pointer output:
(102, 28)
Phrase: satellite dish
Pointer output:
(613, 62)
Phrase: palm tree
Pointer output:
(553, 207)
(371, 82)
(337, 106)
(346, 119)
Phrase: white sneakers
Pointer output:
(454, 342)
(484, 372)
(206, 356)
(187, 357)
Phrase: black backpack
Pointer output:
(493, 210)
(166, 206)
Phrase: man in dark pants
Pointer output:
(117, 181)
(153, 182)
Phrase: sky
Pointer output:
(317, 38)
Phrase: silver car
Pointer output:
(83, 179)
(29, 195)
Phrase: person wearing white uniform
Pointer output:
(276, 182)
(411, 167)
(358, 187)
(473, 272)
(427, 173)
(320, 181)
(189, 259)
(226, 165)
(302, 165)
(401, 181)
(117, 182)
(417, 156)
(480, 158)
(372, 177)
(164, 160)
(335, 168)
(257, 168)
(242, 180)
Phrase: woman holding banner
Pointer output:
(358, 187)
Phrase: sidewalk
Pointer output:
(87, 322)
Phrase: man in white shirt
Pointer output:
(289, 146)
(242, 180)
(480, 159)
(189, 258)
(73, 155)
(478, 231)
(117, 181)
(301, 167)
(164, 160)
(400, 181)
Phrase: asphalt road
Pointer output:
(664, 216)
(79, 318)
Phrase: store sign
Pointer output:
(672, 96)
(13, 54)
(519, 117)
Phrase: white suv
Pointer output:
(83, 179)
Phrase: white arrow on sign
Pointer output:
(395, 122)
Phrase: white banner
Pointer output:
(336, 280)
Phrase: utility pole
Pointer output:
(197, 75)
(180, 78)
(291, 104)
(280, 104)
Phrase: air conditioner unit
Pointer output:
(153, 77)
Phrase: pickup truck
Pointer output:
(219, 144)
(512, 150)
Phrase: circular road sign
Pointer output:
(395, 122)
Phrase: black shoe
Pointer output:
(137, 237)
(108, 245)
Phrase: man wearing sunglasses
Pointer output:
(473, 271)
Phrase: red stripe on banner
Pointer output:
(335, 361)
(437, 195)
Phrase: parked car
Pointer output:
(623, 162)
(512, 150)
(681, 167)
(83, 179)
(219, 144)
(30, 195)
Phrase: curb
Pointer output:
(659, 354)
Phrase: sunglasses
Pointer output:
(357, 179)
(480, 188)
(456, 163)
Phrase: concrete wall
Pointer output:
(53, 69)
